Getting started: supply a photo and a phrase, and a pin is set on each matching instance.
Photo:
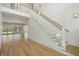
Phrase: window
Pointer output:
(11, 29)
(12, 5)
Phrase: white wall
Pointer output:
(25, 32)
(55, 11)
(72, 23)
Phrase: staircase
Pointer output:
(52, 29)
(53, 32)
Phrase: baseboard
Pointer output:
(73, 44)
(0, 51)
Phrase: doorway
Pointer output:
(12, 33)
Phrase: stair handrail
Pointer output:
(52, 22)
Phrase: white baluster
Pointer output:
(0, 29)
(63, 38)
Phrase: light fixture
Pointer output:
(75, 15)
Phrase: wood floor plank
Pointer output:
(32, 49)
(73, 50)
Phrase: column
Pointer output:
(0, 29)
(63, 38)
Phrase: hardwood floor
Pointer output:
(73, 50)
(19, 48)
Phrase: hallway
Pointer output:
(19, 48)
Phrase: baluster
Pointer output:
(63, 38)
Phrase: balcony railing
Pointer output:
(16, 6)
(10, 5)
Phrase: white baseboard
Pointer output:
(76, 45)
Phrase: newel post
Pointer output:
(63, 39)
(0, 27)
